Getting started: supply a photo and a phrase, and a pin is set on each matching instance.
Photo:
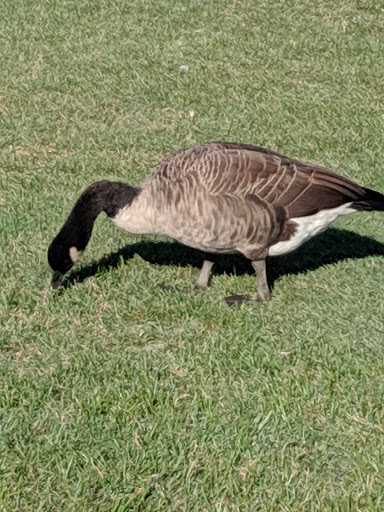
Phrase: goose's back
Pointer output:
(242, 169)
(225, 197)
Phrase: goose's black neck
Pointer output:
(101, 196)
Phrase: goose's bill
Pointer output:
(56, 279)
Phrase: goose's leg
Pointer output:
(263, 292)
(202, 280)
(204, 276)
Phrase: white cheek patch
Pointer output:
(74, 254)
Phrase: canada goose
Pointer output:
(219, 198)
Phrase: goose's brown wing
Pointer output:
(248, 224)
(302, 189)
(242, 169)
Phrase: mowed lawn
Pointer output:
(120, 395)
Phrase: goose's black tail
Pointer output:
(370, 201)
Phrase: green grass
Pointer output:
(117, 395)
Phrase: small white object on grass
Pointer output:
(184, 67)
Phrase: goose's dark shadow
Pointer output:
(329, 247)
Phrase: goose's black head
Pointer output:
(61, 257)
(74, 236)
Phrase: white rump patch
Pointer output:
(307, 227)
(74, 254)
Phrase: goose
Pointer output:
(218, 197)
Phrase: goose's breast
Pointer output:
(308, 227)
(139, 217)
